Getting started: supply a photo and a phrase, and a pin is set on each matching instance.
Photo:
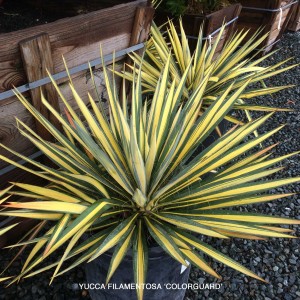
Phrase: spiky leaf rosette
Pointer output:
(234, 64)
(136, 175)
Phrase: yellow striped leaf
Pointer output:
(198, 261)
(114, 237)
(218, 256)
(51, 206)
(140, 260)
(188, 224)
(118, 255)
(166, 242)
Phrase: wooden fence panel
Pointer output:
(78, 39)
(69, 37)
(272, 16)
(294, 23)
(11, 109)
(37, 60)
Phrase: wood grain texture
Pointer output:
(76, 38)
(215, 21)
(68, 37)
(271, 4)
(274, 31)
(11, 109)
(18, 175)
(139, 34)
(211, 23)
(11, 137)
(37, 59)
(75, 56)
(142, 24)
(255, 19)
(294, 23)
(84, 84)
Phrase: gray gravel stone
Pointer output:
(293, 261)
(277, 259)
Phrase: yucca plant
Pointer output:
(129, 181)
(235, 64)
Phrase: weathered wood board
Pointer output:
(78, 39)
(37, 60)
(211, 23)
(294, 24)
(214, 21)
(78, 43)
(270, 19)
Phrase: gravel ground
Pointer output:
(276, 260)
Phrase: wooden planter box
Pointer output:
(271, 15)
(211, 24)
(294, 23)
(26, 54)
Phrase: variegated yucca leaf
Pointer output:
(140, 176)
(236, 64)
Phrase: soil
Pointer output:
(28, 13)
(14, 17)
(196, 7)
